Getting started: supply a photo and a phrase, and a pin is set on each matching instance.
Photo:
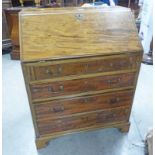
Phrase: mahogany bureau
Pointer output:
(80, 67)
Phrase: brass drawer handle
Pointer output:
(85, 119)
(110, 116)
(114, 81)
(114, 115)
(121, 63)
(48, 71)
(35, 90)
(100, 69)
(85, 82)
(59, 69)
(86, 100)
(114, 100)
(111, 64)
(50, 89)
(86, 67)
(57, 109)
(61, 88)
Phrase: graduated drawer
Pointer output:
(52, 69)
(75, 86)
(61, 108)
(86, 120)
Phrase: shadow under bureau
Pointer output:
(80, 67)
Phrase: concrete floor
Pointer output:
(18, 132)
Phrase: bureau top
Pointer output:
(57, 33)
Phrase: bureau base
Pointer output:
(42, 142)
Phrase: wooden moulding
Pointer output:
(42, 142)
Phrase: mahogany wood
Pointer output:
(13, 26)
(84, 120)
(52, 69)
(60, 108)
(59, 88)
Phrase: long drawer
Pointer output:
(82, 121)
(61, 108)
(67, 87)
(52, 69)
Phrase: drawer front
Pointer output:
(48, 70)
(82, 121)
(70, 87)
(60, 108)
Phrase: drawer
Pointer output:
(82, 121)
(60, 108)
(84, 85)
(52, 69)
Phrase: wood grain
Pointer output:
(65, 107)
(76, 32)
(61, 88)
(68, 123)
(13, 26)
(52, 69)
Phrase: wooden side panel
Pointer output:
(68, 87)
(76, 32)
